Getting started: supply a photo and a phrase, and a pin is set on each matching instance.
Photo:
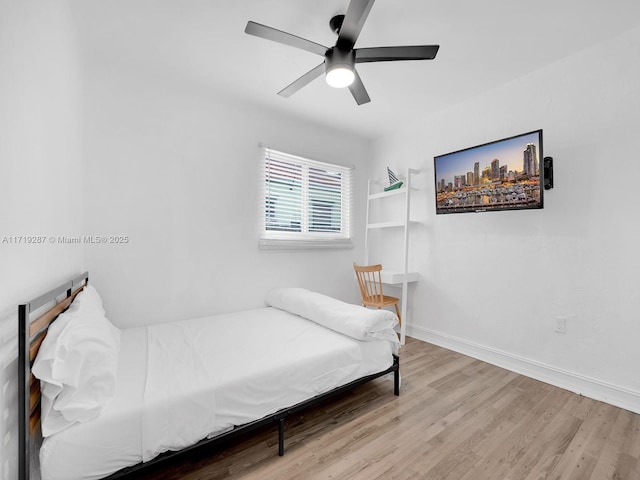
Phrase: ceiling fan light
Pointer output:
(340, 76)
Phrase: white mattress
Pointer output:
(184, 381)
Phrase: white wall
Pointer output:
(493, 283)
(40, 177)
(174, 166)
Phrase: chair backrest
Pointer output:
(370, 282)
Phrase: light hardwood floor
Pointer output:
(456, 418)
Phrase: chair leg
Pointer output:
(398, 313)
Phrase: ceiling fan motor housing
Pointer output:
(340, 69)
(336, 58)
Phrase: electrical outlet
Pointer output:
(560, 325)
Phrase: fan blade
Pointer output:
(279, 36)
(302, 81)
(358, 91)
(353, 22)
(390, 54)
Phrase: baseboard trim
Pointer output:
(580, 384)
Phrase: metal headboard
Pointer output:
(31, 332)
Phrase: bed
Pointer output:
(172, 387)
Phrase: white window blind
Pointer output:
(304, 203)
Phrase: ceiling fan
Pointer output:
(339, 60)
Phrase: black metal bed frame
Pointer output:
(26, 443)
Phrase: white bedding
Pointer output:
(166, 399)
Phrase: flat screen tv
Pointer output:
(501, 175)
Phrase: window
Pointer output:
(304, 203)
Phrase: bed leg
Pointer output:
(396, 383)
(396, 377)
(281, 436)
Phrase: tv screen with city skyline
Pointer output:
(501, 175)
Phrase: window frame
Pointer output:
(304, 239)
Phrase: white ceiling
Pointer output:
(483, 44)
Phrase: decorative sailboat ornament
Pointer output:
(394, 182)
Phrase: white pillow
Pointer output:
(77, 365)
(87, 300)
(352, 320)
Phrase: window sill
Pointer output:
(289, 244)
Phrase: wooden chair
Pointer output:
(370, 283)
